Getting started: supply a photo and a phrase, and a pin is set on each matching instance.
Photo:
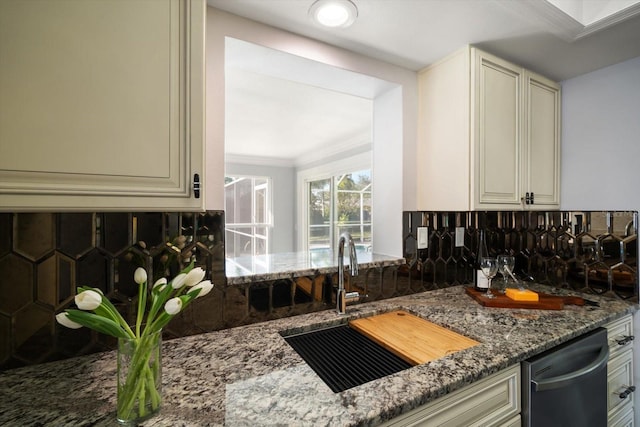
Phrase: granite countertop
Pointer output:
(249, 375)
(260, 268)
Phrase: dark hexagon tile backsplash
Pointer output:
(588, 251)
(45, 256)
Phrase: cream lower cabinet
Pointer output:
(492, 401)
(489, 136)
(621, 389)
(102, 104)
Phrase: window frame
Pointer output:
(267, 225)
(350, 164)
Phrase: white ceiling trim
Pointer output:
(564, 25)
(242, 159)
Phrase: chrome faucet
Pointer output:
(343, 297)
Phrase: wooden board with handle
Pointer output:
(410, 337)
(545, 301)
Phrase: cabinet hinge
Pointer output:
(196, 185)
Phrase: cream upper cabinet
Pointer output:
(488, 136)
(101, 104)
(542, 141)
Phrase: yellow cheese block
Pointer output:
(518, 295)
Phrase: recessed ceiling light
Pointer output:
(334, 13)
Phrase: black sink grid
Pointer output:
(344, 358)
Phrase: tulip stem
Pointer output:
(140, 382)
(142, 302)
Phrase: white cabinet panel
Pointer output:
(542, 149)
(102, 105)
(498, 135)
(624, 418)
(489, 136)
(492, 401)
(620, 335)
(620, 380)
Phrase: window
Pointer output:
(337, 204)
(247, 215)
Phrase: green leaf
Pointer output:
(97, 323)
(194, 292)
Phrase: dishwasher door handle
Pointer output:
(563, 380)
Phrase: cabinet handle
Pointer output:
(625, 340)
(196, 185)
(532, 200)
(528, 198)
(627, 392)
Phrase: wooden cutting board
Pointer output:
(545, 301)
(410, 337)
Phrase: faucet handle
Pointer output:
(351, 297)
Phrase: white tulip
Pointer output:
(178, 281)
(194, 277)
(88, 300)
(140, 275)
(173, 306)
(160, 282)
(205, 287)
(63, 319)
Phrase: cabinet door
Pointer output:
(620, 335)
(542, 142)
(102, 104)
(497, 132)
(619, 379)
(492, 401)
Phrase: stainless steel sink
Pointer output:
(343, 358)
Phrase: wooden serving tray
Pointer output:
(410, 337)
(545, 301)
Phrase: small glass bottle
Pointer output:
(480, 281)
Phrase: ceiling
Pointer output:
(285, 110)
(413, 34)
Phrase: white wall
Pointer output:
(601, 149)
(283, 196)
(601, 139)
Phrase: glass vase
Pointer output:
(139, 378)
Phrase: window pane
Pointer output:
(243, 201)
(348, 207)
(229, 241)
(348, 210)
(338, 204)
(260, 240)
(229, 203)
(361, 180)
(320, 236)
(261, 205)
(320, 214)
(320, 202)
(244, 242)
(247, 203)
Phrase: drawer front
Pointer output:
(619, 379)
(489, 402)
(512, 422)
(623, 418)
(620, 335)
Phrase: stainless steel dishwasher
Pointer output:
(567, 385)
